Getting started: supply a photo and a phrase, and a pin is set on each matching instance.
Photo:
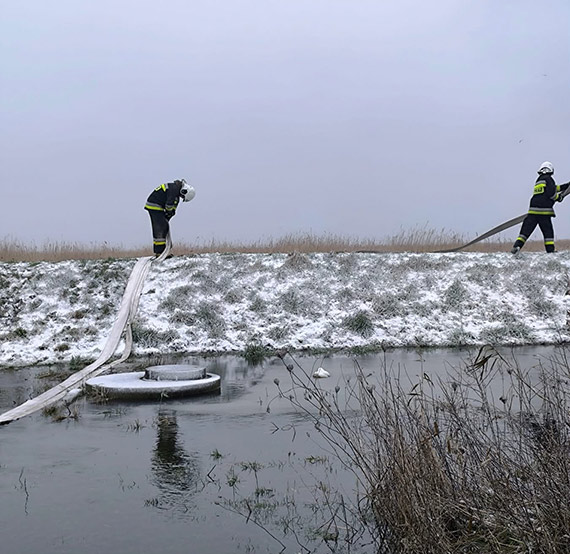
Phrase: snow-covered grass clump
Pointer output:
(228, 302)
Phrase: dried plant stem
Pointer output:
(416, 240)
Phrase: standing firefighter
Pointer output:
(541, 210)
(161, 206)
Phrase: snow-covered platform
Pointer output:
(167, 381)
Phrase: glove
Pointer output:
(169, 215)
(560, 198)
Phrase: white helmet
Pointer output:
(187, 191)
(546, 167)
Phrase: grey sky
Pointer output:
(353, 117)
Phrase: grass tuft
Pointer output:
(359, 323)
(255, 353)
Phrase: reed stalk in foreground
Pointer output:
(417, 240)
(478, 462)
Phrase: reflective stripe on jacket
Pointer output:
(164, 197)
(544, 195)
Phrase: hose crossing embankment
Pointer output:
(127, 312)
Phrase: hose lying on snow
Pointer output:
(499, 228)
(123, 322)
(493, 231)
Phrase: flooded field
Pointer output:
(160, 476)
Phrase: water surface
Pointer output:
(146, 477)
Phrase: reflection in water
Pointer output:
(237, 375)
(175, 472)
(15, 388)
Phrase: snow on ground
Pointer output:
(227, 302)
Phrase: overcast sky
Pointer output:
(354, 117)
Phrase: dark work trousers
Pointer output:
(529, 225)
(160, 229)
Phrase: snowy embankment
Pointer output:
(227, 302)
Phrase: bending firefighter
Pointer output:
(541, 210)
(161, 206)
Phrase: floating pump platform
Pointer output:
(161, 381)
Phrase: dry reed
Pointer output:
(478, 463)
(417, 240)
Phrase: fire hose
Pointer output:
(123, 323)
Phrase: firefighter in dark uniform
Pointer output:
(541, 210)
(161, 206)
